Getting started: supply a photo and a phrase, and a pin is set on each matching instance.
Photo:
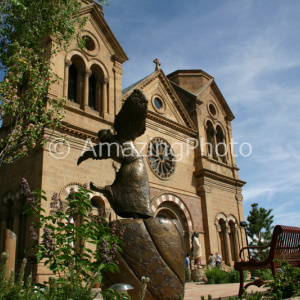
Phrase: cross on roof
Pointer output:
(156, 61)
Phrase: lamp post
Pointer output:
(121, 287)
(244, 225)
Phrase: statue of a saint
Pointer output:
(196, 249)
(129, 194)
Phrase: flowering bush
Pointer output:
(23, 110)
(32, 32)
(66, 232)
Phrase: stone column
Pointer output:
(236, 244)
(98, 95)
(10, 248)
(104, 96)
(87, 75)
(79, 87)
(68, 63)
(118, 72)
(16, 224)
(227, 246)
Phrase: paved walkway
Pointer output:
(194, 290)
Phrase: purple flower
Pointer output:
(33, 234)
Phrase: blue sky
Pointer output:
(252, 48)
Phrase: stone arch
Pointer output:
(79, 53)
(233, 219)
(100, 64)
(208, 118)
(220, 216)
(171, 206)
(100, 198)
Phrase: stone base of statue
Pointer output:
(197, 275)
(152, 248)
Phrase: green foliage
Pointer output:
(263, 274)
(9, 289)
(22, 104)
(187, 275)
(252, 296)
(259, 229)
(217, 276)
(61, 288)
(286, 282)
(31, 33)
(67, 231)
(58, 289)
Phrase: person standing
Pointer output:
(197, 251)
(218, 260)
(211, 261)
(187, 265)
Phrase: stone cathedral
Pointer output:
(186, 147)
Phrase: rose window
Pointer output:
(161, 158)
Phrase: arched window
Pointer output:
(92, 91)
(72, 86)
(221, 145)
(75, 79)
(98, 206)
(210, 133)
(96, 88)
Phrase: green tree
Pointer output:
(31, 33)
(259, 229)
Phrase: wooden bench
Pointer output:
(285, 244)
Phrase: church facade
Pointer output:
(186, 147)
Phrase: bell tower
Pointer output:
(218, 182)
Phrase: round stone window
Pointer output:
(89, 43)
(158, 104)
(161, 158)
(212, 109)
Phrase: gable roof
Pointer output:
(141, 84)
(95, 11)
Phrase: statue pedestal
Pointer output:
(152, 248)
(197, 275)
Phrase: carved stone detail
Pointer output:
(68, 63)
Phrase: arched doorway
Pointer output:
(172, 207)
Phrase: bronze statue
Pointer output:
(129, 195)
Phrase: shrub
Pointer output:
(286, 282)
(216, 276)
(263, 274)
(67, 231)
